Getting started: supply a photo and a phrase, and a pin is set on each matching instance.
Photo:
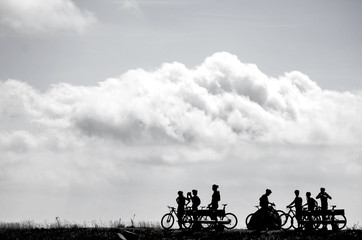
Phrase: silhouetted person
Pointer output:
(264, 201)
(181, 202)
(311, 204)
(264, 207)
(215, 198)
(195, 202)
(298, 203)
(323, 196)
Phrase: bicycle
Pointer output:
(210, 218)
(291, 219)
(321, 218)
(168, 219)
(257, 220)
(247, 219)
(339, 221)
(333, 216)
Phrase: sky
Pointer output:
(109, 107)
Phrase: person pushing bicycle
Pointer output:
(264, 203)
(298, 203)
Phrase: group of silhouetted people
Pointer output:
(298, 203)
(264, 211)
(182, 201)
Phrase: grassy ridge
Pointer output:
(159, 234)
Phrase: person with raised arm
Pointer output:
(323, 196)
(181, 202)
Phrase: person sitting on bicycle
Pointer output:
(298, 203)
(264, 205)
(264, 201)
(324, 203)
(215, 198)
(181, 202)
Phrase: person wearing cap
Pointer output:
(181, 202)
(323, 196)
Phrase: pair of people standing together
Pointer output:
(182, 201)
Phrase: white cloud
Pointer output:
(153, 132)
(220, 100)
(131, 6)
(44, 16)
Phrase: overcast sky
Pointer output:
(109, 107)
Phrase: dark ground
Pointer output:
(159, 234)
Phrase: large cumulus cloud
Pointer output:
(220, 101)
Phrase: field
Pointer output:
(160, 234)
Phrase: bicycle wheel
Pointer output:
(187, 221)
(311, 222)
(342, 221)
(233, 220)
(247, 220)
(287, 221)
(283, 218)
(316, 222)
(205, 225)
(295, 223)
(167, 221)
